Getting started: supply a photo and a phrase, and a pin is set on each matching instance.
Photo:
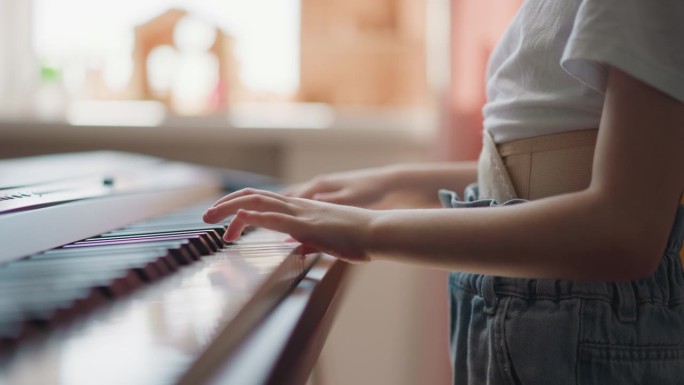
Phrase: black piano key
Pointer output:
(11, 329)
(183, 251)
(143, 252)
(110, 287)
(211, 232)
(48, 275)
(112, 283)
(39, 306)
(45, 316)
(40, 282)
(177, 252)
(165, 229)
(149, 266)
(102, 262)
(15, 330)
(209, 237)
(173, 224)
(160, 258)
(58, 284)
(196, 240)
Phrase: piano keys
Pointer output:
(149, 298)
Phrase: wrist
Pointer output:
(376, 233)
(399, 176)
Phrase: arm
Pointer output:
(397, 186)
(614, 230)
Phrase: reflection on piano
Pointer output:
(108, 275)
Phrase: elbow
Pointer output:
(634, 260)
(632, 241)
(633, 270)
(633, 236)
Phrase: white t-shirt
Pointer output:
(548, 73)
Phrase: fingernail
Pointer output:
(207, 216)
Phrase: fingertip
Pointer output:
(237, 225)
(231, 235)
(228, 239)
(247, 216)
(210, 216)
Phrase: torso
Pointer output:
(528, 92)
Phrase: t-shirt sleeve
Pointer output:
(644, 38)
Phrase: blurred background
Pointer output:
(287, 88)
(202, 58)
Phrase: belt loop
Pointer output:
(488, 294)
(546, 288)
(677, 232)
(626, 306)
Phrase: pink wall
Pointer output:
(476, 26)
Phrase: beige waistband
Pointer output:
(537, 167)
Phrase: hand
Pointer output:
(363, 188)
(394, 187)
(341, 231)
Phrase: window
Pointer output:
(101, 50)
(208, 57)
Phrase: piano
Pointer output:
(109, 276)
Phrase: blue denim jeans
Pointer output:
(534, 331)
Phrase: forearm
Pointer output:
(433, 176)
(574, 236)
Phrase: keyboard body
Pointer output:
(108, 275)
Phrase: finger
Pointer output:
(317, 187)
(307, 249)
(280, 222)
(245, 192)
(235, 229)
(250, 202)
(339, 197)
(296, 190)
(291, 190)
